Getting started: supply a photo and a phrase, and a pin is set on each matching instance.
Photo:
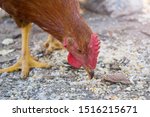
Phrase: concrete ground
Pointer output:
(125, 50)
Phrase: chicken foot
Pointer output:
(26, 61)
(52, 44)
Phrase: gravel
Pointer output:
(7, 41)
(125, 47)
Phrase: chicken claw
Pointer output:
(26, 61)
(25, 64)
(52, 44)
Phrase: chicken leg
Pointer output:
(52, 44)
(26, 61)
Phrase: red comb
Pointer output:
(94, 46)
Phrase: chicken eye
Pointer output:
(79, 51)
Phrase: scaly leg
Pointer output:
(52, 44)
(26, 61)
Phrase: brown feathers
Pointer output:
(56, 17)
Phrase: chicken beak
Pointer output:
(90, 73)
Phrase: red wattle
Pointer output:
(73, 61)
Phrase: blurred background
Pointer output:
(113, 8)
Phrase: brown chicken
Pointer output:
(61, 19)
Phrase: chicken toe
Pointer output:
(25, 64)
(52, 44)
(26, 61)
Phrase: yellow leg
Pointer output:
(26, 61)
(52, 44)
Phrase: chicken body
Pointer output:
(62, 20)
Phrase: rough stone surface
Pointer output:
(125, 47)
(7, 41)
